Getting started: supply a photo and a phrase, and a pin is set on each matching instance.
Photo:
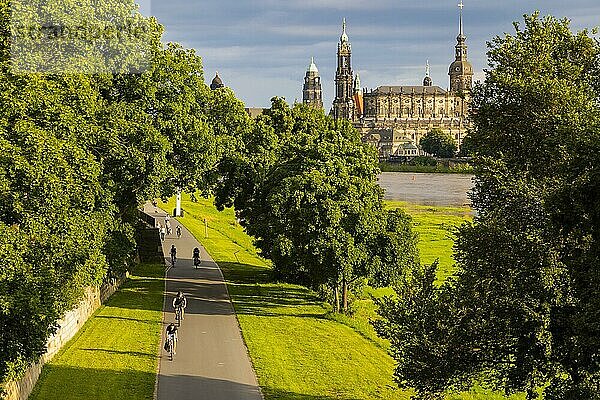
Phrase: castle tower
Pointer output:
(427, 80)
(461, 70)
(343, 106)
(312, 93)
(216, 83)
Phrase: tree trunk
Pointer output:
(336, 301)
(345, 295)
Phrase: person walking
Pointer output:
(173, 255)
(178, 231)
(196, 257)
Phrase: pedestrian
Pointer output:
(168, 226)
(178, 231)
(155, 204)
(163, 232)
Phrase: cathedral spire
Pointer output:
(461, 6)
(344, 37)
(343, 104)
(461, 70)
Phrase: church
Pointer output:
(394, 118)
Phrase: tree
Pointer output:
(521, 312)
(306, 189)
(81, 152)
(438, 143)
(467, 149)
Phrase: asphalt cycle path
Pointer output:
(212, 359)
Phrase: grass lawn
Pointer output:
(436, 227)
(299, 349)
(115, 354)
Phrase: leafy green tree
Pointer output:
(438, 143)
(467, 148)
(306, 189)
(520, 315)
(80, 153)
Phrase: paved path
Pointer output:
(212, 360)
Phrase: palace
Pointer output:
(394, 118)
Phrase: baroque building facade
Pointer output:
(394, 118)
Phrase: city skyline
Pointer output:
(262, 48)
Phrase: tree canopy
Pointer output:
(521, 313)
(81, 152)
(438, 144)
(305, 187)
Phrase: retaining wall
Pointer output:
(69, 325)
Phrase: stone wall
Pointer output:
(69, 325)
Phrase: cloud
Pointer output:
(262, 47)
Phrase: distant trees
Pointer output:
(305, 187)
(521, 313)
(438, 144)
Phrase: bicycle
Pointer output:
(170, 346)
(197, 262)
(178, 316)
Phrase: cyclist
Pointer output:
(196, 257)
(180, 303)
(172, 336)
(173, 255)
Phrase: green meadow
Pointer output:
(299, 348)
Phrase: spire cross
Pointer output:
(461, 6)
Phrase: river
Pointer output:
(427, 189)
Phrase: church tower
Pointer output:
(461, 70)
(312, 93)
(343, 105)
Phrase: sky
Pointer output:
(262, 48)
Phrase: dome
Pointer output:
(216, 82)
(460, 68)
(427, 81)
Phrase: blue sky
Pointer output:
(262, 48)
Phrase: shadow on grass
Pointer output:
(284, 395)
(197, 387)
(118, 352)
(255, 293)
(139, 290)
(60, 382)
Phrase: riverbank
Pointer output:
(438, 169)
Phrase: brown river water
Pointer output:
(427, 189)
